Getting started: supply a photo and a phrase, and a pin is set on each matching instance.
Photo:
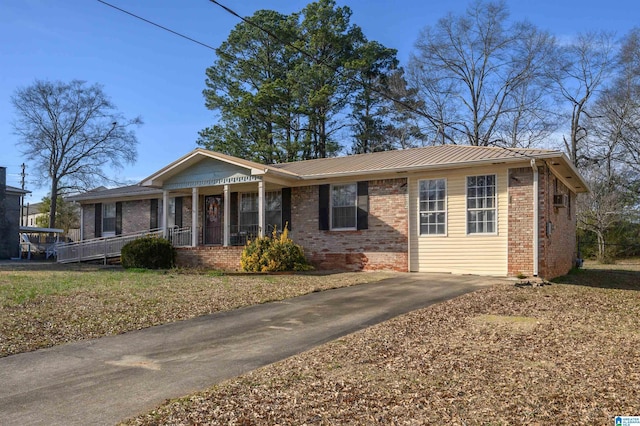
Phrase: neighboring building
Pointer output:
(31, 213)
(9, 217)
(452, 208)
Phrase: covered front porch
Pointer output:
(214, 200)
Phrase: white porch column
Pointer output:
(227, 217)
(194, 217)
(261, 214)
(165, 213)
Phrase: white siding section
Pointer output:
(458, 252)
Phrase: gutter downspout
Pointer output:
(536, 223)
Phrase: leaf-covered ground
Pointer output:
(566, 353)
(46, 305)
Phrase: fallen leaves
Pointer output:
(558, 354)
(46, 308)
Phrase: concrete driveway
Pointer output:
(106, 380)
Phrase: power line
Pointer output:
(159, 26)
(319, 61)
(276, 38)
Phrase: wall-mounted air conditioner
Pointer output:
(560, 200)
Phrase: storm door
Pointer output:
(213, 219)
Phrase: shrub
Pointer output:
(272, 254)
(148, 253)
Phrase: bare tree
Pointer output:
(604, 206)
(72, 132)
(484, 81)
(587, 63)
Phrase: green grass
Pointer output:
(18, 288)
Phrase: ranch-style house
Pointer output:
(451, 208)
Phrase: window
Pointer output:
(273, 210)
(249, 210)
(108, 219)
(481, 204)
(344, 206)
(433, 207)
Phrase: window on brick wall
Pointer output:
(108, 219)
(481, 204)
(433, 207)
(249, 210)
(344, 207)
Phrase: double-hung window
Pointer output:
(273, 210)
(481, 204)
(108, 219)
(433, 207)
(249, 211)
(344, 206)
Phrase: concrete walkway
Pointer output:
(106, 380)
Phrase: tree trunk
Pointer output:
(54, 203)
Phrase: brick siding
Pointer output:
(557, 248)
(216, 257)
(520, 229)
(383, 246)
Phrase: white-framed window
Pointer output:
(433, 206)
(344, 206)
(108, 219)
(273, 209)
(482, 204)
(249, 209)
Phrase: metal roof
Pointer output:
(407, 159)
(120, 192)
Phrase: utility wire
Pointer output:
(248, 21)
(159, 26)
(321, 62)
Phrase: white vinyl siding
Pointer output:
(457, 251)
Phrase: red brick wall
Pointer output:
(557, 225)
(557, 228)
(88, 221)
(136, 216)
(216, 257)
(520, 228)
(383, 246)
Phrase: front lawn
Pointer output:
(42, 306)
(566, 353)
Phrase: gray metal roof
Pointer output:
(113, 193)
(407, 159)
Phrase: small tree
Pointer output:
(71, 132)
(273, 254)
(67, 214)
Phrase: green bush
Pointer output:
(148, 253)
(273, 254)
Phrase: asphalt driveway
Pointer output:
(106, 380)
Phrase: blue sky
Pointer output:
(154, 74)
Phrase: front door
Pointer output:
(213, 219)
